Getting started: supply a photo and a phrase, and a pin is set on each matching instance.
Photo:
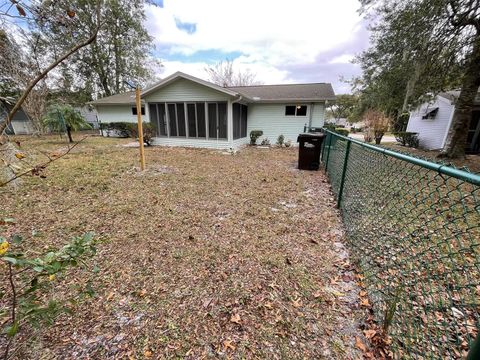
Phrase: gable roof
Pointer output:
(179, 75)
(287, 92)
(284, 93)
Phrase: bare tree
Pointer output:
(223, 74)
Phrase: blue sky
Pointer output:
(280, 41)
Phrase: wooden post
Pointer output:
(140, 127)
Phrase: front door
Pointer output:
(473, 139)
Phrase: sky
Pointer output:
(298, 41)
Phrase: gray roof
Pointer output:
(287, 92)
(258, 93)
(127, 98)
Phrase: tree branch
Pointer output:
(18, 104)
(45, 164)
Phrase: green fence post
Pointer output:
(328, 153)
(344, 172)
(323, 148)
(474, 352)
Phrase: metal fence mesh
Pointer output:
(415, 234)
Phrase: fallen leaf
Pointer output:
(369, 333)
(147, 353)
(363, 293)
(20, 155)
(227, 344)
(142, 293)
(364, 302)
(297, 303)
(235, 318)
(360, 345)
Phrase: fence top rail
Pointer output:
(442, 169)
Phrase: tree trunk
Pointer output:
(458, 132)
(69, 134)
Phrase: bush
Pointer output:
(254, 135)
(265, 142)
(341, 131)
(148, 132)
(127, 129)
(280, 140)
(330, 127)
(407, 138)
(122, 128)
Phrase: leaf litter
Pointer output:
(193, 261)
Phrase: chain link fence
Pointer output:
(413, 228)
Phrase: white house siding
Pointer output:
(271, 119)
(192, 142)
(432, 132)
(183, 90)
(117, 113)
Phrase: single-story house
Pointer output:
(432, 121)
(21, 124)
(187, 111)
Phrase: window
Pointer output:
(239, 121)
(296, 110)
(134, 110)
(430, 114)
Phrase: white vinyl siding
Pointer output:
(192, 142)
(117, 113)
(271, 119)
(182, 90)
(431, 132)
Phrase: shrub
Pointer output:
(330, 127)
(265, 142)
(148, 132)
(254, 135)
(32, 282)
(127, 129)
(341, 131)
(280, 140)
(407, 138)
(122, 128)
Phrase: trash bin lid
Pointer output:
(307, 136)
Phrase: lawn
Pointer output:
(204, 254)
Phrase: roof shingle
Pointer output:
(287, 92)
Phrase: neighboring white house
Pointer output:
(187, 111)
(432, 122)
(21, 124)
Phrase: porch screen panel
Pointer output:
(222, 120)
(172, 119)
(192, 126)
(181, 119)
(154, 118)
(212, 120)
(243, 121)
(236, 121)
(162, 120)
(201, 119)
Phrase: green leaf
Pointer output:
(11, 330)
(16, 239)
(10, 260)
(38, 268)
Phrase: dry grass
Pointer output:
(203, 255)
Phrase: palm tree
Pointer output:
(65, 118)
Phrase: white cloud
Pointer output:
(271, 34)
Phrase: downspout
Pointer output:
(231, 130)
(310, 116)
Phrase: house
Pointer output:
(187, 111)
(432, 121)
(21, 124)
(90, 115)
